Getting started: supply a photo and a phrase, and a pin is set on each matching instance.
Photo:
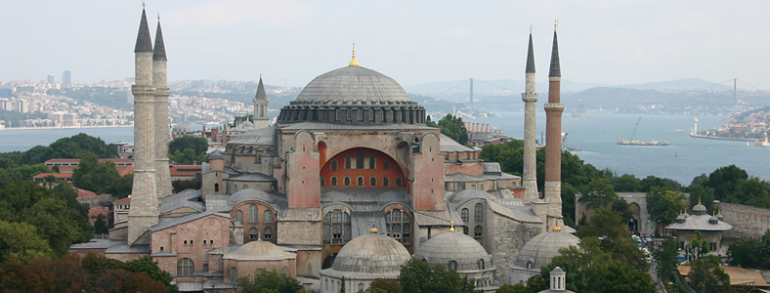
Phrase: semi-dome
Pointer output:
(260, 251)
(259, 137)
(353, 95)
(250, 194)
(466, 252)
(374, 255)
(541, 249)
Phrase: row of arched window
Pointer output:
(360, 181)
(334, 165)
(254, 234)
(267, 216)
(478, 213)
(337, 228)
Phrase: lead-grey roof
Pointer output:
(190, 198)
(334, 126)
(541, 249)
(260, 91)
(555, 67)
(493, 168)
(530, 57)
(123, 248)
(376, 256)
(262, 136)
(167, 222)
(159, 53)
(96, 244)
(451, 146)
(252, 177)
(699, 223)
(143, 40)
(353, 84)
(459, 177)
(276, 201)
(449, 246)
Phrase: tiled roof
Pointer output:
(700, 223)
(451, 146)
(56, 175)
(123, 171)
(95, 211)
(122, 200)
(85, 193)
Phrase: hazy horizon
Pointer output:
(603, 42)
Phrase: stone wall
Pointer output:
(101, 200)
(509, 236)
(748, 222)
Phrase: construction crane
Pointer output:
(635, 128)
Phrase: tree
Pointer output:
(180, 185)
(725, 180)
(95, 176)
(140, 282)
(269, 282)
(699, 244)
(21, 242)
(418, 277)
(609, 226)
(187, 149)
(664, 205)
(342, 287)
(627, 183)
(708, 277)
(652, 181)
(122, 186)
(386, 286)
(149, 268)
(100, 225)
(752, 191)
(453, 127)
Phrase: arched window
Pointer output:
(465, 230)
(258, 272)
(481, 264)
(360, 181)
(216, 187)
(285, 271)
(347, 162)
(261, 111)
(360, 286)
(253, 216)
(245, 186)
(268, 233)
(268, 217)
(373, 181)
(359, 159)
(477, 233)
(385, 182)
(399, 226)
(346, 181)
(478, 214)
(385, 165)
(334, 181)
(235, 188)
(336, 227)
(239, 216)
(398, 181)
(334, 165)
(185, 267)
(323, 181)
(452, 265)
(464, 215)
(372, 162)
(233, 274)
(253, 234)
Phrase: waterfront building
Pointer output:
(350, 154)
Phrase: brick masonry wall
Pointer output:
(748, 222)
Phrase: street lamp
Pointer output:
(677, 286)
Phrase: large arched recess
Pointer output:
(367, 171)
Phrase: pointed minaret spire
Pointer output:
(160, 49)
(261, 118)
(555, 67)
(260, 90)
(530, 54)
(143, 40)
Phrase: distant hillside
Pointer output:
(679, 84)
(499, 86)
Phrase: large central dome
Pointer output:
(353, 95)
(354, 84)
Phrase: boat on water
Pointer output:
(631, 141)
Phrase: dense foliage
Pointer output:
(187, 150)
(417, 277)
(76, 146)
(707, 277)
(751, 253)
(54, 215)
(451, 126)
(664, 205)
(269, 282)
(608, 225)
(385, 286)
(91, 274)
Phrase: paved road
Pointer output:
(654, 276)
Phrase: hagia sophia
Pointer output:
(349, 182)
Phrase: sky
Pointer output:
(291, 42)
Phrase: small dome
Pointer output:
(370, 254)
(260, 250)
(720, 217)
(699, 209)
(247, 125)
(182, 128)
(458, 247)
(216, 155)
(680, 219)
(541, 249)
(250, 194)
(713, 220)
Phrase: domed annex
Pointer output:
(353, 95)
(461, 253)
(257, 256)
(363, 259)
(538, 252)
(711, 227)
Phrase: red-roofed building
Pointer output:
(85, 193)
(94, 212)
(123, 171)
(75, 162)
(61, 176)
(184, 172)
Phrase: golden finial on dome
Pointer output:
(556, 229)
(354, 62)
(699, 198)
(373, 230)
(452, 224)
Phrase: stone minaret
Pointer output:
(261, 118)
(529, 180)
(553, 110)
(143, 213)
(162, 172)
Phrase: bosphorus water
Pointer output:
(684, 159)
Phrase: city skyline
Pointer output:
(291, 42)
